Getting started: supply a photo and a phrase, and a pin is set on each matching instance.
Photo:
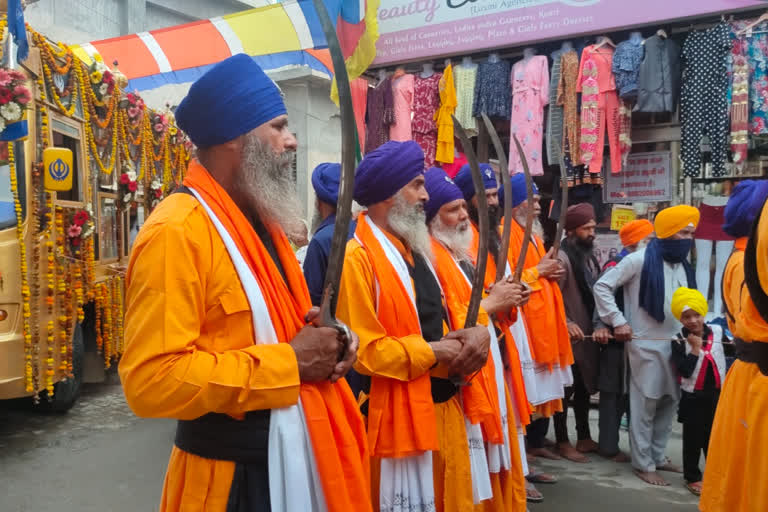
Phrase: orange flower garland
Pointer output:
(107, 326)
(98, 309)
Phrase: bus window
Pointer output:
(7, 207)
(68, 136)
(108, 219)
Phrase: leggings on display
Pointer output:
(723, 251)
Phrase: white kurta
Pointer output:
(649, 360)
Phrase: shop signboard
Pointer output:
(647, 178)
(417, 29)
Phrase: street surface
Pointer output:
(101, 458)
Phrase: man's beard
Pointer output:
(586, 245)
(521, 216)
(266, 183)
(409, 222)
(457, 239)
(317, 219)
(494, 237)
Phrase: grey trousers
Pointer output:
(649, 427)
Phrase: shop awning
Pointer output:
(277, 35)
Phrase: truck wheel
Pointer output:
(66, 392)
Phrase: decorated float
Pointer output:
(82, 162)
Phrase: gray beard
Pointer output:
(409, 222)
(265, 181)
(317, 219)
(521, 218)
(456, 239)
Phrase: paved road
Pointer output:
(101, 458)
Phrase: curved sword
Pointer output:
(327, 317)
(520, 264)
(506, 182)
(478, 283)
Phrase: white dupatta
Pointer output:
(294, 483)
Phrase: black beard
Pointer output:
(494, 238)
(587, 245)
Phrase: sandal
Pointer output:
(541, 478)
(532, 495)
(694, 487)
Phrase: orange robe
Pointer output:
(190, 351)
(508, 485)
(544, 314)
(736, 463)
(394, 353)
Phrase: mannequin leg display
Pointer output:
(703, 259)
(723, 251)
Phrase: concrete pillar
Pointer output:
(133, 16)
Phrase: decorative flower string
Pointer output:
(99, 306)
(30, 365)
(107, 324)
(117, 285)
(61, 285)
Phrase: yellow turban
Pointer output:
(688, 298)
(672, 220)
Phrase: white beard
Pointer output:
(265, 179)
(521, 218)
(456, 239)
(409, 222)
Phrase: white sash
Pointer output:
(406, 483)
(293, 478)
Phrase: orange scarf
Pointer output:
(481, 399)
(514, 372)
(545, 312)
(401, 415)
(333, 419)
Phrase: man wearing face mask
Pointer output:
(650, 277)
(581, 272)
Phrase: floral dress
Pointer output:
(426, 102)
(530, 93)
(758, 87)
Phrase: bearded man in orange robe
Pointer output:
(217, 322)
(732, 471)
(392, 299)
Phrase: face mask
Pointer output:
(675, 251)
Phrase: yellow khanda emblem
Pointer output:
(58, 168)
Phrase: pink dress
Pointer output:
(426, 101)
(402, 91)
(530, 93)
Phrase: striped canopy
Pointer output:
(277, 35)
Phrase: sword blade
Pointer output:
(520, 264)
(347, 182)
(506, 182)
(563, 211)
(478, 283)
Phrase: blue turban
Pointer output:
(387, 169)
(463, 180)
(744, 205)
(441, 189)
(229, 100)
(325, 181)
(519, 190)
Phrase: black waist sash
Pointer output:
(442, 390)
(754, 353)
(220, 437)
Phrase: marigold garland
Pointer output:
(107, 324)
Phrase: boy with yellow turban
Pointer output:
(650, 276)
(698, 355)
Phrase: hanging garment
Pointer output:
(465, 78)
(658, 83)
(758, 80)
(567, 96)
(492, 92)
(704, 106)
(359, 88)
(444, 152)
(530, 93)
(626, 67)
(426, 101)
(402, 93)
(555, 126)
(739, 100)
(380, 115)
(625, 130)
(601, 102)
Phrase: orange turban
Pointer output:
(670, 221)
(632, 232)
